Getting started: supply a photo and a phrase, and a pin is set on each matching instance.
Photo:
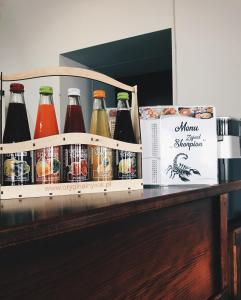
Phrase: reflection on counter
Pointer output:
(15, 211)
(30, 210)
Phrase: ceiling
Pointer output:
(137, 55)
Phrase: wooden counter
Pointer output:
(160, 243)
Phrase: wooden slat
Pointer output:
(235, 268)
(67, 71)
(135, 115)
(69, 138)
(224, 240)
(41, 190)
(136, 127)
(235, 283)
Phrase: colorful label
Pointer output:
(17, 168)
(101, 163)
(126, 165)
(75, 163)
(47, 165)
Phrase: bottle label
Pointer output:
(17, 168)
(47, 165)
(101, 163)
(75, 163)
(126, 165)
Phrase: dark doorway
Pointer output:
(144, 60)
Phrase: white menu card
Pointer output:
(179, 145)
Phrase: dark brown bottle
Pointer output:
(17, 166)
(125, 161)
(75, 163)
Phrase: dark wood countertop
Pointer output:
(36, 218)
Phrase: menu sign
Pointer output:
(179, 145)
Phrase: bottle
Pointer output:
(75, 159)
(100, 157)
(17, 166)
(125, 161)
(47, 160)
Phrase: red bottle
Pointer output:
(75, 156)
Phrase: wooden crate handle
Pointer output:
(67, 71)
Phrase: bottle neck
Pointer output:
(73, 100)
(17, 98)
(46, 99)
(123, 105)
(99, 103)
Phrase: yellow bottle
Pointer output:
(100, 157)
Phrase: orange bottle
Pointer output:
(47, 160)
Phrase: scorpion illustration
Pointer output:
(180, 169)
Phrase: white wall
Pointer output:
(208, 41)
(33, 33)
(38, 31)
(208, 49)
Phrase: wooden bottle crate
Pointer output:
(38, 190)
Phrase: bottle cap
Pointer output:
(46, 90)
(2, 93)
(99, 94)
(16, 87)
(123, 96)
(73, 92)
